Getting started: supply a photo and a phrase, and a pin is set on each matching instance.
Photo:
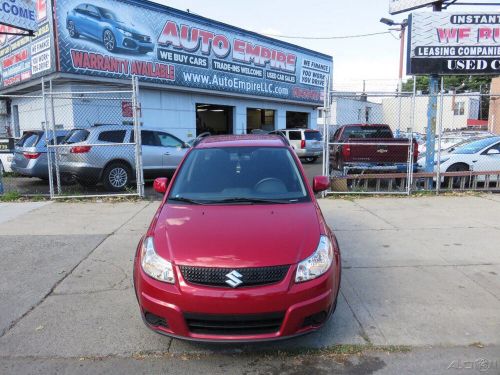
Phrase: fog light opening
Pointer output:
(155, 320)
(315, 320)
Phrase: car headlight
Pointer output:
(154, 265)
(317, 264)
(126, 33)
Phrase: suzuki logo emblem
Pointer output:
(233, 279)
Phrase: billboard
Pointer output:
(400, 6)
(20, 14)
(23, 58)
(161, 45)
(454, 43)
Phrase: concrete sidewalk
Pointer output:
(417, 271)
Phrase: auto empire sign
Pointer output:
(24, 58)
(454, 43)
(20, 14)
(119, 39)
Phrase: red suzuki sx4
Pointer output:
(239, 249)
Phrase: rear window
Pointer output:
(359, 132)
(29, 139)
(312, 136)
(294, 136)
(76, 136)
(115, 136)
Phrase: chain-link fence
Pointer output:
(75, 143)
(402, 143)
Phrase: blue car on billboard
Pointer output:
(104, 26)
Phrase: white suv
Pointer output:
(307, 143)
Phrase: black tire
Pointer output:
(109, 40)
(311, 159)
(72, 30)
(116, 177)
(460, 167)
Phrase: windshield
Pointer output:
(474, 147)
(239, 175)
(75, 136)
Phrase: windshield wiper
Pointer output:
(185, 200)
(252, 200)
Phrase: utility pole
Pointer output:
(432, 112)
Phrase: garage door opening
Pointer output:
(216, 119)
(297, 120)
(260, 119)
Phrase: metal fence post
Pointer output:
(138, 138)
(54, 140)
(47, 140)
(410, 149)
(440, 134)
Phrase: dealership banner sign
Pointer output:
(400, 6)
(454, 43)
(121, 39)
(20, 14)
(23, 58)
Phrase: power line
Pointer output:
(328, 37)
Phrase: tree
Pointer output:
(458, 84)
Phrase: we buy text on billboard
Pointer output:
(170, 47)
(454, 43)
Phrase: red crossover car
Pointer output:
(239, 249)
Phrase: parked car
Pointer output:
(223, 259)
(105, 153)
(449, 140)
(477, 156)
(366, 147)
(103, 25)
(6, 154)
(306, 143)
(30, 154)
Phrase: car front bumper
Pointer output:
(309, 153)
(298, 305)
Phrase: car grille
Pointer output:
(142, 38)
(216, 277)
(234, 324)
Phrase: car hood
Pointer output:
(237, 236)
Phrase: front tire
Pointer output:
(456, 180)
(116, 177)
(72, 30)
(109, 41)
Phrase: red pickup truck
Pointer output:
(360, 147)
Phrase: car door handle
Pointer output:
(167, 153)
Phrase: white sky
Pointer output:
(375, 58)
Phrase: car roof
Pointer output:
(246, 140)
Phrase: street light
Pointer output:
(402, 29)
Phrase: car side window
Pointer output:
(115, 136)
(496, 147)
(295, 136)
(166, 140)
(92, 11)
(148, 138)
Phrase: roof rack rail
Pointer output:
(200, 138)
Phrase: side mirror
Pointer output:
(321, 183)
(160, 185)
(493, 151)
(186, 145)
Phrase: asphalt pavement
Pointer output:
(420, 293)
